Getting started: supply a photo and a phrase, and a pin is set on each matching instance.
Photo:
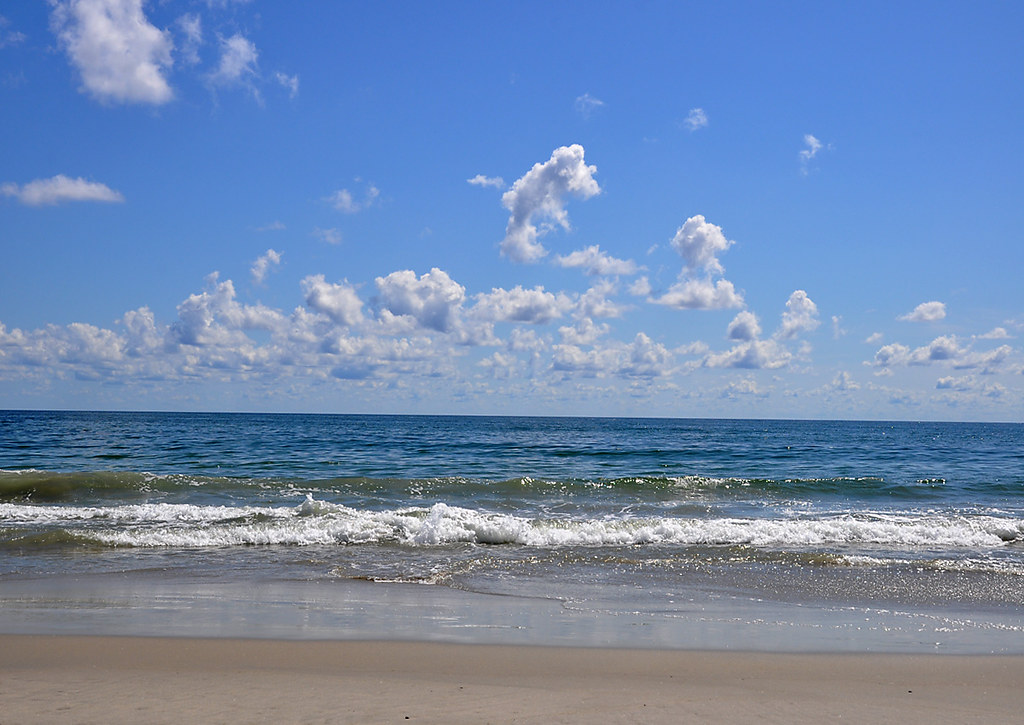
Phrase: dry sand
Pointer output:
(61, 679)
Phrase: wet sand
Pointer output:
(64, 679)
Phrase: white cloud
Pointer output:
(209, 342)
(699, 243)
(501, 365)
(86, 343)
(215, 317)
(191, 26)
(238, 58)
(291, 83)
(60, 188)
(892, 354)
(701, 294)
(744, 327)
(263, 264)
(837, 327)
(742, 387)
(801, 315)
(998, 333)
(523, 340)
(641, 358)
(541, 194)
(532, 306)
(751, 355)
(342, 201)
(696, 119)
(595, 262)
(420, 332)
(340, 302)
(640, 287)
(432, 300)
(9, 37)
(944, 350)
(480, 180)
(330, 236)
(926, 312)
(141, 334)
(813, 146)
(595, 303)
(345, 202)
(941, 348)
(646, 358)
(967, 382)
(584, 332)
(844, 382)
(120, 55)
(874, 337)
(693, 348)
(589, 363)
(985, 360)
(587, 104)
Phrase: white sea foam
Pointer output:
(319, 522)
(137, 513)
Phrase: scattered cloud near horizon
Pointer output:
(407, 325)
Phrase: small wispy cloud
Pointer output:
(289, 82)
(190, 26)
(330, 236)
(812, 147)
(696, 119)
(264, 264)
(480, 180)
(238, 65)
(587, 104)
(344, 201)
(7, 36)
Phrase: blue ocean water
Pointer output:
(768, 529)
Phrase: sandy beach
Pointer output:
(65, 679)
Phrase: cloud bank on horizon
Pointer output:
(606, 293)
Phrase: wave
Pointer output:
(40, 486)
(316, 522)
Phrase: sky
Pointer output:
(683, 209)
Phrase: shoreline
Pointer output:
(162, 604)
(62, 678)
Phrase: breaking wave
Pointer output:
(315, 522)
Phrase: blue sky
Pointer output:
(672, 209)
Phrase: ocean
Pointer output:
(702, 534)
